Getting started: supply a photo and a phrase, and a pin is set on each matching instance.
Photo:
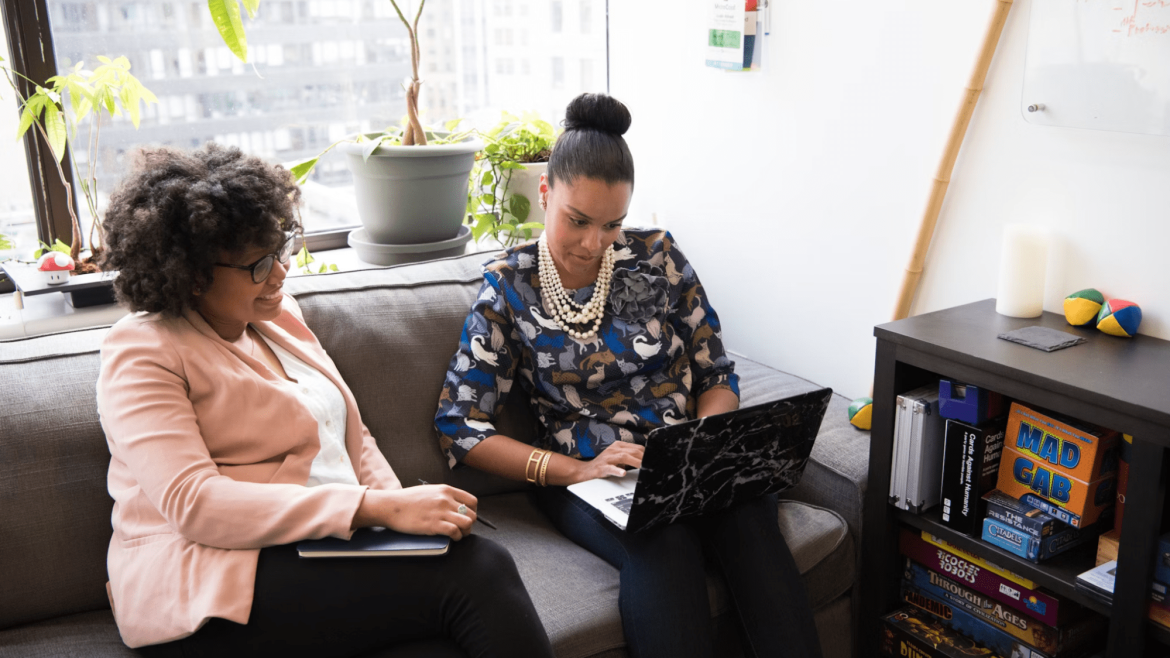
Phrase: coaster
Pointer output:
(1042, 338)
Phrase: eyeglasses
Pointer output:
(263, 267)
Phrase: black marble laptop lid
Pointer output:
(708, 464)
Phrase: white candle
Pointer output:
(1023, 262)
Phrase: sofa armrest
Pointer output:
(838, 470)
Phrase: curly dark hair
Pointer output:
(176, 212)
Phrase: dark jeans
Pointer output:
(471, 598)
(663, 596)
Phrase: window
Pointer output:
(318, 70)
(17, 217)
(586, 17)
(558, 72)
(556, 11)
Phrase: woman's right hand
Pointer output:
(430, 509)
(615, 460)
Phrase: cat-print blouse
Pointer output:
(659, 347)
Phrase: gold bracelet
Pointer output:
(544, 467)
(533, 461)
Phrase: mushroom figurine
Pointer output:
(56, 267)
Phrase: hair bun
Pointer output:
(599, 112)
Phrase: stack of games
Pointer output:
(1029, 532)
(999, 611)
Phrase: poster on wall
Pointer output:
(725, 34)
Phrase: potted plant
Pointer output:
(107, 90)
(410, 181)
(506, 179)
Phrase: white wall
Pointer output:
(796, 192)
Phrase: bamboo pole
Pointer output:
(942, 178)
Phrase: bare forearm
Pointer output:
(717, 401)
(507, 457)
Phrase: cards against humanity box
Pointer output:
(971, 458)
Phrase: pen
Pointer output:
(477, 516)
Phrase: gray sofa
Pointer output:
(391, 333)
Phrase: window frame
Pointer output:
(30, 41)
(31, 46)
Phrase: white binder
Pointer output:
(916, 473)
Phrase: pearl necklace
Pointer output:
(565, 311)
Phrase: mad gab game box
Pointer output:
(1066, 468)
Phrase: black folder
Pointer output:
(375, 542)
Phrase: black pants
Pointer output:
(471, 598)
(663, 591)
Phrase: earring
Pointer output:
(543, 204)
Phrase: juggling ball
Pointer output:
(1081, 307)
(861, 413)
(1119, 317)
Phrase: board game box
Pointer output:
(1066, 639)
(1059, 465)
(1029, 532)
(910, 633)
(971, 458)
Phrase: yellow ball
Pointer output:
(1081, 307)
(861, 413)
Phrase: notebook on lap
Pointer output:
(708, 464)
(375, 542)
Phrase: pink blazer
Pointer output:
(209, 456)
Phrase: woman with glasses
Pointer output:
(232, 437)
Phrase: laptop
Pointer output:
(708, 464)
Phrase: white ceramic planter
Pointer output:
(527, 182)
(412, 194)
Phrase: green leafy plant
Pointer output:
(305, 263)
(110, 90)
(6, 243)
(492, 207)
(56, 246)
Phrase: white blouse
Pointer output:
(323, 399)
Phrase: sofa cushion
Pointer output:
(822, 547)
(575, 592)
(397, 376)
(54, 509)
(85, 635)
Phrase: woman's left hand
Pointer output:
(431, 509)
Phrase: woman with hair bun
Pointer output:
(611, 335)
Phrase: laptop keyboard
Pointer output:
(623, 502)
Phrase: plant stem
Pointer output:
(414, 131)
(75, 248)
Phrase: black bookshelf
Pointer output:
(1114, 382)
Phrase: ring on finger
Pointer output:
(462, 509)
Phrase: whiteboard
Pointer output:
(1100, 64)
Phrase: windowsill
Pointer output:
(50, 313)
